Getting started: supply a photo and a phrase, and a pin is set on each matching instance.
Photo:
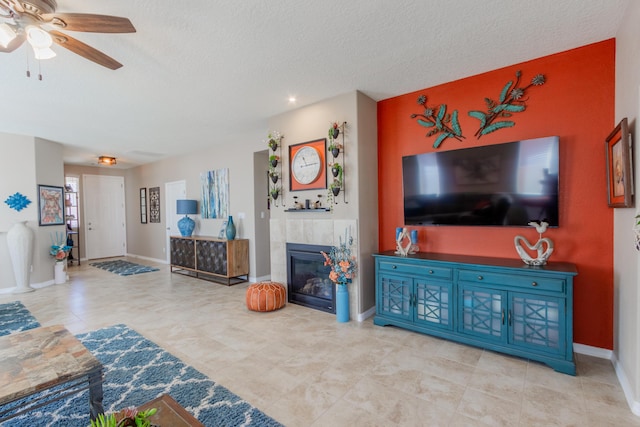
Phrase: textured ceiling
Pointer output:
(203, 71)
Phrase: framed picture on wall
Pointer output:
(50, 205)
(619, 167)
(154, 204)
(307, 165)
(143, 205)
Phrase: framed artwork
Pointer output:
(619, 167)
(143, 205)
(214, 188)
(50, 205)
(308, 165)
(154, 204)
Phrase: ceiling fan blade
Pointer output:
(14, 44)
(89, 23)
(84, 50)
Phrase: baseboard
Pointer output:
(41, 285)
(364, 316)
(601, 353)
(159, 261)
(634, 405)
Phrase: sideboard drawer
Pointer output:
(422, 270)
(521, 281)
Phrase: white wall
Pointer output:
(360, 175)
(148, 240)
(30, 161)
(626, 258)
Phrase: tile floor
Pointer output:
(302, 368)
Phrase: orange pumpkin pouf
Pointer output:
(266, 296)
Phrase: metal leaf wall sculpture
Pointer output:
(440, 122)
(511, 101)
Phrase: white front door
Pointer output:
(104, 225)
(173, 191)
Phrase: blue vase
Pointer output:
(231, 229)
(186, 225)
(342, 303)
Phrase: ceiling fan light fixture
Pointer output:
(38, 38)
(43, 53)
(106, 160)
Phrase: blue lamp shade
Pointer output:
(186, 207)
(186, 224)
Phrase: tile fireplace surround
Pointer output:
(311, 232)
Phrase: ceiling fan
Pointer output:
(37, 22)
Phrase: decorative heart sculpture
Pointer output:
(543, 255)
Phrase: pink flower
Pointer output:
(333, 276)
(60, 255)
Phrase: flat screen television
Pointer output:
(507, 184)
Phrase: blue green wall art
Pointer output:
(215, 193)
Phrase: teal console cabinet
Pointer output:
(494, 303)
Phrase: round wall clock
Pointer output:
(305, 165)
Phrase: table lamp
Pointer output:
(186, 224)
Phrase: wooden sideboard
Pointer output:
(210, 258)
(498, 304)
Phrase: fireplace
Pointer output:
(308, 278)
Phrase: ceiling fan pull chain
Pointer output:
(39, 70)
(27, 56)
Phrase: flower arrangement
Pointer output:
(343, 264)
(273, 139)
(59, 250)
(126, 417)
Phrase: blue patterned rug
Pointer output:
(14, 317)
(136, 371)
(123, 268)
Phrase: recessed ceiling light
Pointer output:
(292, 99)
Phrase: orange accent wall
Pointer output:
(577, 104)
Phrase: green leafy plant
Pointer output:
(126, 417)
(511, 100)
(273, 139)
(332, 134)
(440, 122)
(337, 167)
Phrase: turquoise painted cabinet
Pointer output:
(494, 303)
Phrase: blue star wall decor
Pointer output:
(17, 201)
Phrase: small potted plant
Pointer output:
(274, 176)
(334, 147)
(336, 171)
(274, 193)
(335, 187)
(273, 140)
(273, 160)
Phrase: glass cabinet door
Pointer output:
(482, 312)
(536, 322)
(395, 296)
(433, 303)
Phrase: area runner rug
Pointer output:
(136, 371)
(123, 268)
(14, 317)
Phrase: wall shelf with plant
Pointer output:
(338, 183)
(274, 142)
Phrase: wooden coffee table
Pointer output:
(40, 359)
(170, 413)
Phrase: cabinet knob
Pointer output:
(394, 267)
(430, 271)
(534, 283)
(480, 277)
